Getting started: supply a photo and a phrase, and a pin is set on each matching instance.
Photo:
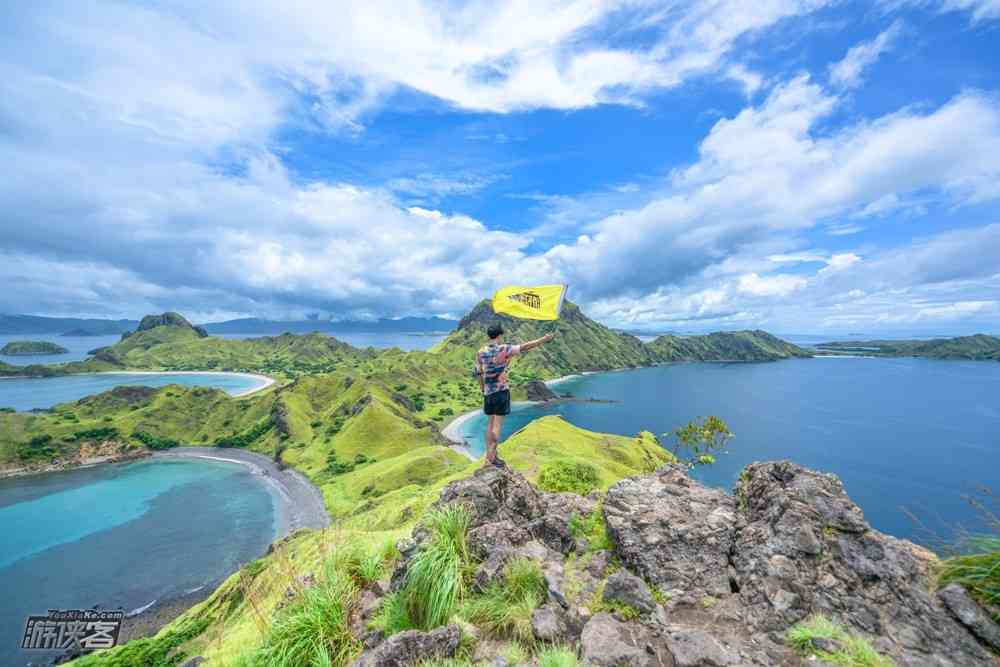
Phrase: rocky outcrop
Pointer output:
(699, 578)
(539, 391)
(971, 615)
(412, 647)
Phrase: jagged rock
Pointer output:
(491, 569)
(494, 495)
(872, 583)
(411, 647)
(697, 648)
(673, 531)
(971, 615)
(549, 624)
(553, 531)
(193, 662)
(607, 642)
(489, 537)
(631, 590)
(539, 391)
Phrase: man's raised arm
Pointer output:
(532, 344)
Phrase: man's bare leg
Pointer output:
(497, 426)
(491, 442)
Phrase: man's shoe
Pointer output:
(499, 462)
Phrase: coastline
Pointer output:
(452, 431)
(267, 380)
(299, 502)
(299, 505)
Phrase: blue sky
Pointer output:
(794, 165)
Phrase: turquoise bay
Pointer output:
(905, 435)
(42, 393)
(124, 535)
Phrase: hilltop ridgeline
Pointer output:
(979, 347)
(586, 345)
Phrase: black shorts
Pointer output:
(497, 403)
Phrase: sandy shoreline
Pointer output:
(300, 503)
(267, 380)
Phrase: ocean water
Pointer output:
(124, 535)
(904, 435)
(41, 393)
(78, 347)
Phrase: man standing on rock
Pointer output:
(491, 369)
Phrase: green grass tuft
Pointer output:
(313, 630)
(558, 656)
(854, 651)
(436, 578)
(978, 572)
(505, 607)
(592, 528)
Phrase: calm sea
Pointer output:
(124, 535)
(901, 433)
(40, 393)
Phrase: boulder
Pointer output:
(412, 647)
(493, 495)
(970, 614)
(803, 547)
(626, 588)
(673, 531)
(485, 539)
(607, 642)
(549, 624)
(697, 648)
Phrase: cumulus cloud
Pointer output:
(147, 173)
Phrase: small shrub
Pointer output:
(700, 440)
(572, 476)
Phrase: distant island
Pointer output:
(34, 324)
(25, 348)
(250, 325)
(979, 347)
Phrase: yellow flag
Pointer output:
(530, 303)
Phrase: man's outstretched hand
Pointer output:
(549, 336)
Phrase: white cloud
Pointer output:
(847, 73)
(779, 285)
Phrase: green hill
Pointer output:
(581, 344)
(31, 347)
(725, 346)
(980, 347)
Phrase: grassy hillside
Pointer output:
(978, 347)
(725, 346)
(236, 619)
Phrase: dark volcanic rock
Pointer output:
(412, 647)
(805, 548)
(673, 531)
(607, 642)
(971, 615)
(629, 589)
(492, 494)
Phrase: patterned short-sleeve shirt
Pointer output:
(492, 362)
